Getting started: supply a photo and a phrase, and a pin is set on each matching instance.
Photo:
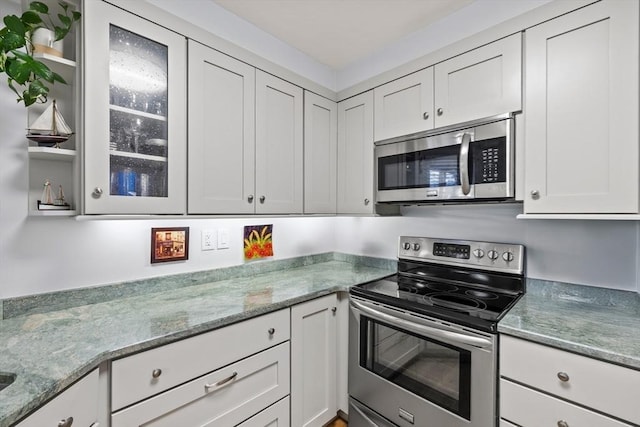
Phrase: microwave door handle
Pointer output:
(464, 163)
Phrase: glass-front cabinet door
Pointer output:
(135, 114)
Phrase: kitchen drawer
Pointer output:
(606, 387)
(78, 403)
(276, 415)
(132, 378)
(529, 408)
(225, 397)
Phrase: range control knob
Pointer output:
(478, 253)
(493, 255)
(406, 246)
(507, 256)
(416, 246)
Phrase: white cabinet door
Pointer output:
(221, 133)
(581, 107)
(355, 155)
(225, 397)
(481, 83)
(320, 154)
(135, 114)
(313, 362)
(279, 145)
(79, 404)
(276, 415)
(404, 106)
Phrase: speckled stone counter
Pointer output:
(595, 322)
(49, 350)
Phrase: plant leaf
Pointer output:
(11, 41)
(31, 17)
(41, 70)
(58, 78)
(64, 19)
(19, 71)
(14, 24)
(61, 32)
(39, 7)
(76, 15)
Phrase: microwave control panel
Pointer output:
(489, 161)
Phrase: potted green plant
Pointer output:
(28, 77)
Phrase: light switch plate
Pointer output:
(209, 240)
(223, 238)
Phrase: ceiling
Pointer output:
(339, 32)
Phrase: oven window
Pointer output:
(435, 371)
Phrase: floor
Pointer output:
(337, 423)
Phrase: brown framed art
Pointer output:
(169, 244)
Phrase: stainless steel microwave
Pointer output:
(469, 162)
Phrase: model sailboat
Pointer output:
(50, 129)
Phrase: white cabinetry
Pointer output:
(134, 114)
(355, 155)
(320, 154)
(581, 109)
(221, 133)
(279, 145)
(480, 83)
(77, 406)
(276, 415)
(541, 385)
(313, 362)
(404, 106)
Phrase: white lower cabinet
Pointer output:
(222, 398)
(276, 415)
(542, 385)
(313, 362)
(77, 406)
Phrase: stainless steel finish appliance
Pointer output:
(423, 343)
(467, 162)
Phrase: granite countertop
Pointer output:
(595, 322)
(50, 350)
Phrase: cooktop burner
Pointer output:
(464, 290)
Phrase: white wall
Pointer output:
(597, 253)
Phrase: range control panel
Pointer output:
(505, 257)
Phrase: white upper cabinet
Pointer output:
(404, 106)
(481, 83)
(279, 145)
(134, 114)
(581, 109)
(355, 155)
(221, 175)
(320, 154)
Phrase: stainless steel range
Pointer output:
(423, 343)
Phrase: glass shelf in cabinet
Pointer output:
(137, 112)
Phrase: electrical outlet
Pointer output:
(223, 238)
(209, 240)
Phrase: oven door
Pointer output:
(414, 370)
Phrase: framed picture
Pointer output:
(169, 244)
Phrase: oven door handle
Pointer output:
(413, 326)
(464, 163)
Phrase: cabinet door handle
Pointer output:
(156, 373)
(221, 382)
(425, 115)
(66, 423)
(250, 198)
(535, 194)
(563, 376)
(563, 423)
(262, 199)
(440, 111)
(97, 192)
(271, 331)
(366, 202)
(334, 309)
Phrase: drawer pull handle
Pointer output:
(563, 423)
(271, 331)
(334, 309)
(156, 373)
(563, 376)
(66, 423)
(222, 382)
